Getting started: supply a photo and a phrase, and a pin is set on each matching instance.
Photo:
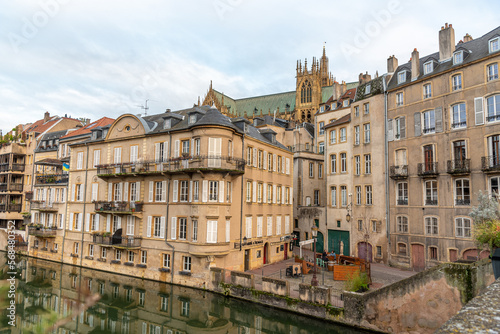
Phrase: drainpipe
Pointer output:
(65, 212)
(242, 185)
(386, 162)
(84, 202)
(166, 216)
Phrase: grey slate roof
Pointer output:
(473, 50)
(376, 87)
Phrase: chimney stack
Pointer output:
(46, 117)
(446, 42)
(467, 38)
(364, 78)
(392, 64)
(415, 65)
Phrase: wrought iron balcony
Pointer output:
(458, 166)
(402, 201)
(51, 179)
(490, 163)
(4, 207)
(184, 164)
(117, 241)
(398, 172)
(462, 201)
(428, 169)
(457, 125)
(11, 186)
(43, 206)
(431, 201)
(118, 207)
(42, 232)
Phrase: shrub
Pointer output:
(356, 282)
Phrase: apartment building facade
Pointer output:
(169, 195)
(443, 135)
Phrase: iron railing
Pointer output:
(11, 186)
(458, 166)
(462, 201)
(43, 205)
(402, 201)
(490, 163)
(117, 207)
(428, 169)
(51, 179)
(10, 207)
(182, 164)
(42, 232)
(398, 172)
(118, 241)
(431, 201)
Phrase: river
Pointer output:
(83, 300)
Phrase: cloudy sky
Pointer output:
(105, 58)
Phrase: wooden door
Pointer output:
(319, 243)
(428, 158)
(495, 150)
(265, 253)
(453, 255)
(285, 253)
(418, 257)
(365, 251)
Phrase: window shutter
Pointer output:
(402, 125)
(221, 191)
(87, 223)
(264, 160)
(138, 191)
(110, 191)
(287, 171)
(73, 192)
(125, 191)
(97, 222)
(173, 229)
(438, 114)
(151, 188)
(479, 110)
(94, 191)
(165, 151)
(176, 152)
(70, 224)
(264, 193)
(283, 194)
(53, 196)
(120, 193)
(192, 147)
(274, 162)
(80, 221)
(255, 157)
(148, 227)
(64, 195)
(390, 131)
(61, 221)
(274, 194)
(162, 227)
(108, 223)
(283, 165)
(81, 192)
(190, 191)
(254, 189)
(228, 231)
(157, 152)
(175, 191)
(163, 191)
(416, 117)
(97, 157)
(204, 197)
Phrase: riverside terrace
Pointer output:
(183, 164)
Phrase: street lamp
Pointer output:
(349, 209)
(314, 281)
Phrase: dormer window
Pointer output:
(494, 44)
(322, 108)
(167, 124)
(332, 107)
(401, 77)
(458, 57)
(428, 67)
(94, 135)
(245, 127)
(192, 119)
(50, 143)
(368, 89)
(346, 103)
(104, 133)
(255, 122)
(44, 144)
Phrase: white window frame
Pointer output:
(357, 165)
(366, 133)
(494, 45)
(368, 194)
(428, 67)
(492, 72)
(402, 224)
(427, 91)
(399, 99)
(494, 116)
(343, 135)
(431, 225)
(458, 109)
(356, 135)
(463, 227)
(401, 77)
(456, 82)
(458, 57)
(428, 121)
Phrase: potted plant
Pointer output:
(486, 230)
(138, 206)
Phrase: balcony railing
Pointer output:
(43, 206)
(118, 241)
(6, 167)
(177, 165)
(457, 125)
(51, 179)
(11, 186)
(42, 232)
(117, 207)
(462, 201)
(428, 169)
(429, 130)
(402, 201)
(431, 201)
(458, 166)
(493, 118)
(4, 207)
(306, 148)
(490, 163)
(398, 172)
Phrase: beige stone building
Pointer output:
(443, 147)
(167, 196)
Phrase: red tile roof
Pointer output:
(86, 129)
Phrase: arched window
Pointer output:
(306, 92)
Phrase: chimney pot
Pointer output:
(446, 42)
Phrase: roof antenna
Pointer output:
(145, 107)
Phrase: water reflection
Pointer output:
(49, 291)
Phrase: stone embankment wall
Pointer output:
(421, 303)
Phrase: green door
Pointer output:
(320, 242)
(337, 238)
